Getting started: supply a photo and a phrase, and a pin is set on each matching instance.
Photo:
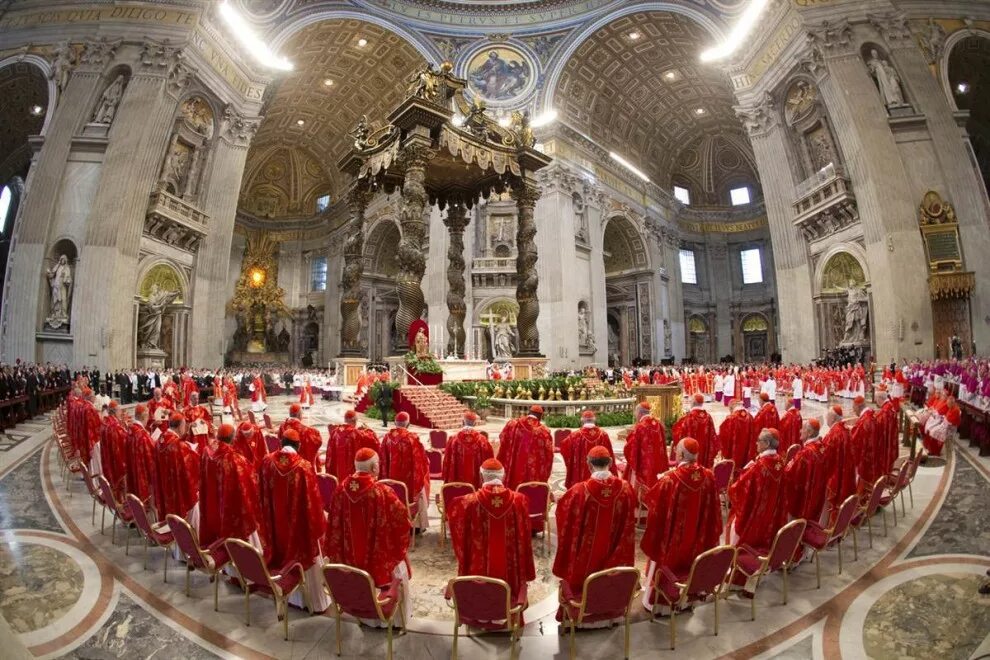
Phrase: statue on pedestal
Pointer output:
(502, 339)
(60, 282)
(857, 313)
(586, 338)
(887, 80)
(107, 108)
(421, 344)
(150, 314)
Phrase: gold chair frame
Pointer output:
(720, 592)
(583, 603)
(512, 624)
(765, 560)
(378, 603)
(281, 599)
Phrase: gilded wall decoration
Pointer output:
(198, 115)
(165, 278)
(841, 272)
(258, 301)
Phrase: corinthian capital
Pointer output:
(759, 117)
(237, 129)
(832, 38)
(99, 53)
(892, 26)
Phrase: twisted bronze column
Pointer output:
(350, 279)
(456, 220)
(526, 195)
(412, 261)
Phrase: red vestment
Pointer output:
(887, 437)
(464, 455)
(89, 426)
(574, 449)
(806, 478)
(866, 445)
(306, 395)
(310, 441)
(194, 414)
(840, 460)
(344, 442)
(142, 473)
(252, 448)
(154, 405)
(230, 394)
(113, 455)
(177, 489)
(490, 534)
(735, 437)
(685, 517)
(526, 451)
(790, 430)
(698, 424)
(758, 501)
(645, 452)
(258, 393)
(228, 496)
(596, 529)
(403, 458)
(766, 418)
(188, 387)
(291, 509)
(367, 527)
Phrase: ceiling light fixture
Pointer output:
(629, 166)
(547, 117)
(250, 40)
(739, 32)
(962, 87)
(362, 42)
(699, 111)
(36, 110)
(328, 82)
(300, 122)
(670, 75)
(634, 35)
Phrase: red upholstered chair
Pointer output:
(538, 495)
(328, 486)
(757, 562)
(209, 560)
(558, 437)
(271, 442)
(255, 576)
(897, 482)
(117, 509)
(435, 458)
(251, 417)
(791, 453)
(915, 462)
(450, 493)
(482, 602)
(402, 493)
(438, 439)
(268, 421)
(353, 592)
(723, 477)
(869, 509)
(821, 538)
(91, 488)
(710, 573)
(605, 595)
(157, 534)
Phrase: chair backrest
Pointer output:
(785, 544)
(328, 485)
(915, 462)
(248, 561)
(903, 476)
(435, 457)
(873, 502)
(791, 453)
(399, 488)
(90, 483)
(352, 590)
(139, 514)
(268, 421)
(608, 593)
(709, 571)
(455, 490)
(558, 437)
(537, 494)
(438, 439)
(480, 598)
(185, 537)
(723, 473)
(846, 512)
(106, 493)
(271, 441)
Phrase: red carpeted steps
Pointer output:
(430, 407)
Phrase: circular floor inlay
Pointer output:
(38, 585)
(935, 616)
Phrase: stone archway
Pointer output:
(756, 338)
(967, 62)
(840, 271)
(488, 316)
(162, 310)
(699, 340)
(627, 292)
(378, 282)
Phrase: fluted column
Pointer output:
(350, 280)
(455, 221)
(412, 262)
(526, 195)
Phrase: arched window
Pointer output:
(6, 204)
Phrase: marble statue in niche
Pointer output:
(502, 339)
(150, 313)
(820, 148)
(667, 340)
(586, 337)
(62, 63)
(580, 218)
(107, 109)
(60, 284)
(857, 313)
(888, 82)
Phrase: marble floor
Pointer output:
(67, 591)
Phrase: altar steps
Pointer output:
(430, 407)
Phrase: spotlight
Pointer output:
(362, 42)
(962, 87)
(634, 36)
(328, 82)
(700, 111)
(300, 122)
(36, 110)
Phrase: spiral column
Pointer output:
(455, 221)
(350, 280)
(525, 194)
(411, 257)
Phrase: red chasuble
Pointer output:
(291, 509)
(194, 414)
(766, 418)
(866, 445)
(574, 449)
(645, 452)
(177, 489)
(758, 501)
(367, 527)
(735, 437)
(596, 528)
(685, 517)
(698, 424)
(142, 472)
(90, 426)
(887, 436)
(310, 441)
(403, 458)
(490, 534)
(154, 405)
(526, 451)
(805, 478)
(188, 387)
(464, 455)
(113, 455)
(345, 440)
(252, 448)
(228, 496)
(790, 430)
(840, 461)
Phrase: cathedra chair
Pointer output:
(486, 603)
(605, 595)
(255, 576)
(539, 500)
(328, 486)
(450, 493)
(209, 560)
(821, 538)
(353, 592)
(756, 562)
(708, 578)
(412, 508)
(157, 534)
(117, 509)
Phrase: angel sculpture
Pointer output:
(361, 133)
(520, 124)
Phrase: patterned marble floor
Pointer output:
(67, 591)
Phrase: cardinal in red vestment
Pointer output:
(230, 395)
(199, 420)
(490, 533)
(177, 488)
(292, 516)
(345, 440)
(526, 449)
(790, 430)
(159, 409)
(228, 494)
(88, 428)
(142, 473)
(840, 460)
(306, 394)
(685, 517)
(698, 424)
(403, 458)
(465, 453)
(575, 447)
(767, 417)
(189, 387)
(259, 397)
(645, 450)
(735, 437)
(596, 525)
(758, 498)
(310, 441)
(866, 445)
(887, 433)
(806, 475)
(113, 451)
(250, 442)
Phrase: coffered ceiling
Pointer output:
(24, 92)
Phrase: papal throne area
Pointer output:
(471, 329)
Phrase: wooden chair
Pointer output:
(757, 562)
(896, 484)
(558, 437)
(210, 560)
(435, 459)
(723, 471)
(450, 493)
(821, 538)
(605, 595)
(791, 453)
(254, 575)
(438, 439)
(709, 575)
(487, 604)
(117, 509)
(412, 508)
(328, 486)
(91, 488)
(539, 498)
(869, 509)
(352, 591)
(153, 533)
